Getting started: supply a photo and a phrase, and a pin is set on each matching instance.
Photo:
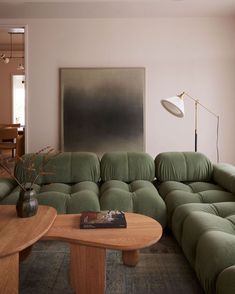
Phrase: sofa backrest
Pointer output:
(127, 166)
(224, 175)
(183, 167)
(66, 167)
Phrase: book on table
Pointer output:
(102, 219)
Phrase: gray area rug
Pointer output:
(162, 269)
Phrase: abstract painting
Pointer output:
(102, 109)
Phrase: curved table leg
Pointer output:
(130, 257)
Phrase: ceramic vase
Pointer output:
(27, 204)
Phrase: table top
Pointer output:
(18, 233)
(141, 232)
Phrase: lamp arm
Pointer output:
(199, 103)
(211, 112)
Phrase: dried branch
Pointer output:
(31, 171)
(12, 175)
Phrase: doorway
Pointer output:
(13, 90)
(18, 99)
(12, 63)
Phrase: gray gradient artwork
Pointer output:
(102, 109)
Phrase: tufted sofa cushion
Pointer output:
(221, 209)
(66, 167)
(176, 198)
(215, 260)
(139, 196)
(127, 185)
(219, 216)
(183, 167)
(71, 185)
(65, 198)
(189, 177)
(206, 233)
(127, 166)
(7, 185)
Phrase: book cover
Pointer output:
(103, 219)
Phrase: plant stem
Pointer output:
(12, 176)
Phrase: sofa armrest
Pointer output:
(6, 186)
(224, 175)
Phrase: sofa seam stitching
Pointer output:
(201, 199)
(186, 165)
(215, 209)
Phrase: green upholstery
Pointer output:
(72, 183)
(194, 187)
(139, 196)
(7, 186)
(177, 197)
(66, 167)
(222, 209)
(225, 283)
(183, 167)
(70, 186)
(200, 200)
(206, 233)
(127, 185)
(127, 166)
(83, 196)
(190, 177)
(202, 218)
(215, 255)
(201, 223)
(12, 197)
(55, 199)
(224, 175)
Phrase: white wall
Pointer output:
(192, 54)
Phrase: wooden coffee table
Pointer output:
(88, 247)
(16, 234)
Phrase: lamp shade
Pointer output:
(175, 105)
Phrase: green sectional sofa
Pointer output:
(200, 204)
(79, 181)
(184, 191)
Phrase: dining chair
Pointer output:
(8, 139)
(9, 125)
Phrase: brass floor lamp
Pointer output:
(175, 105)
